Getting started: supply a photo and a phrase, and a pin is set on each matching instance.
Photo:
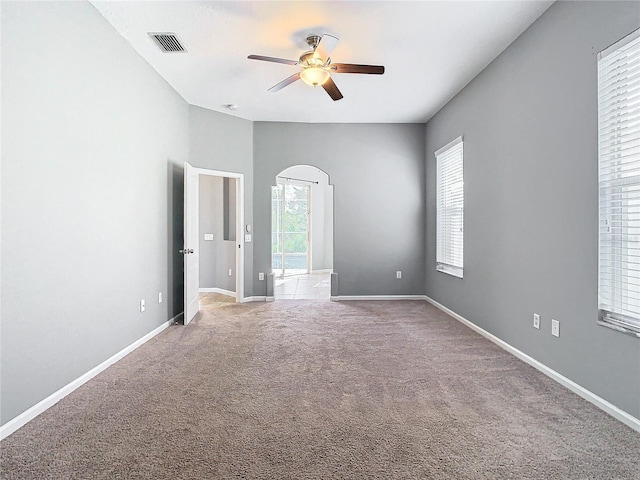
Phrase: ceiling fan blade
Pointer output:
(352, 68)
(273, 59)
(325, 47)
(331, 88)
(285, 82)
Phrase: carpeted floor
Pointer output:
(322, 390)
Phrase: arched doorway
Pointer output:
(302, 233)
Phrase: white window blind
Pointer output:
(619, 184)
(450, 208)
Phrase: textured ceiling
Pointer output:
(431, 50)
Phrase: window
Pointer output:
(619, 185)
(450, 209)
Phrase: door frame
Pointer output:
(239, 177)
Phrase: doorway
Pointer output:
(290, 220)
(302, 233)
(213, 230)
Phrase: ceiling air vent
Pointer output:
(168, 42)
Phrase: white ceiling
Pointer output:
(430, 50)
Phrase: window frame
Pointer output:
(615, 237)
(447, 260)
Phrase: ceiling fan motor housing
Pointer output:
(307, 59)
(313, 41)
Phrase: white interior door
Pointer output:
(190, 249)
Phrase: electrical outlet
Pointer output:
(230, 272)
(143, 306)
(555, 328)
(399, 274)
(159, 297)
(261, 276)
(208, 237)
(536, 321)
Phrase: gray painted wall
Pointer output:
(92, 177)
(210, 198)
(93, 141)
(225, 143)
(378, 175)
(217, 256)
(531, 199)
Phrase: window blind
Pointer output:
(619, 184)
(450, 209)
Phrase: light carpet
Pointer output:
(322, 390)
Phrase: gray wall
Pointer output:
(225, 143)
(531, 199)
(217, 256)
(378, 175)
(93, 140)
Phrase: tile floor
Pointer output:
(313, 286)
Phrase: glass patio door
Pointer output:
(290, 229)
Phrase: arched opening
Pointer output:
(302, 233)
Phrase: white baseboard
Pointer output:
(217, 290)
(256, 298)
(269, 299)
(28, 415)
(378, 297)
(323, 270)
(588, 395)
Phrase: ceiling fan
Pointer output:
(317, 66)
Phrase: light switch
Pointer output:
(208, 236)
(555, 328)
(247, 238)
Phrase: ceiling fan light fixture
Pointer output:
(317, 66)
(314, 76)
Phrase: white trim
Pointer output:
(591, 397)
(218, 290)
(377, 297)
(310, 216)
(618, 44)
(452, 143)
(322, 270)
(269, 299)
(240, 226)
(255, 298)
(450, 270)
(217, 173)
(31, 413)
